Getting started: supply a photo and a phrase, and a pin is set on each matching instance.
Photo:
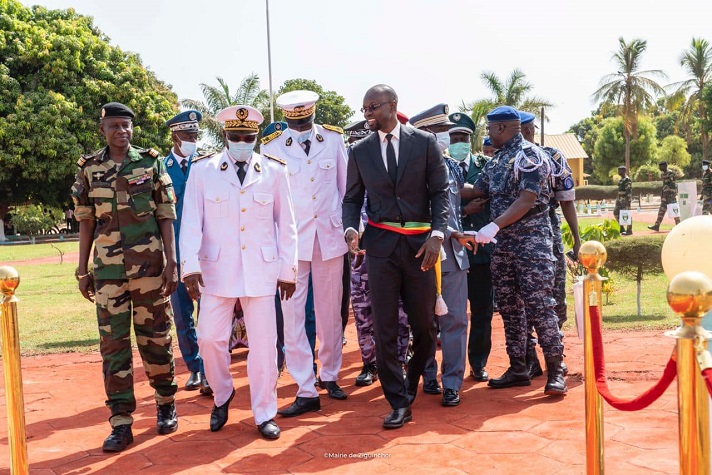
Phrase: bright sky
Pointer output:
(428, 51)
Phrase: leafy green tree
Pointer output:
(697, 62)
(612, 145)
(219, 97)
(57, 70)
(512, 91)
(630, 90)
(330, 109)
(673, 150)
(33, 220)
(647, 172)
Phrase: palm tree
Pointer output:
(631, 91)
(697, 61)
(511, 91)
(220, 97)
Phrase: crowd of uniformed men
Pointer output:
(405, 219)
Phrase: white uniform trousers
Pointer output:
(214, 330)
(328, 289)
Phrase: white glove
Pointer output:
(487, 234)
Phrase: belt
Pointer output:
(540, 208)
(407, 228)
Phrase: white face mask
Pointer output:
(240, 151)
(302, 137)
(704, 168)
(188, 148)
(443, 139)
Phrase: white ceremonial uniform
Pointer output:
(318, 183)
(242, 238)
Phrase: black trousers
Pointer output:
(390, 277)
(481, 297)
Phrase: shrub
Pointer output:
(33, 220)
(634, 257)
(648, 172)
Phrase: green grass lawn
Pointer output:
(638, 226)
(18, 252)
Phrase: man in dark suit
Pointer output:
(406, 178)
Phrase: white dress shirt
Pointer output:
(395, 140)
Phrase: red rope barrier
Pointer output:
(707, 375)
(640, 402)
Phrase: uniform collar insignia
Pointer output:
(289, 142)
(257, 167)
(170, 162)
(319, 138)
(223, 166)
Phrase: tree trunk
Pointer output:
(639, 280)
(4, 207)
(627, 150)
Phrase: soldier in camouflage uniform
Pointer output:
(517, 182)
(124, 201)
(668, 195)
(706, 187)
(624, 198)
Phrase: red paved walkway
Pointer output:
(504, 431)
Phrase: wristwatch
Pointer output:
(79, 276)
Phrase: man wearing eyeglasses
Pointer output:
(522, 261)
(238, 241)
(316, 160)
(403, 171)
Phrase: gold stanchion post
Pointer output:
(689, 294)
(592, 256)
(9, 280)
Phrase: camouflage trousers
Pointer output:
(119, 303)
(620, 205)
(707, 206)
(523, 290)
(664, 201)
(363, 316)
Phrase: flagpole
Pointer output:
(269, 65)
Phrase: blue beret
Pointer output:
(274, 127)
(526, 117)
(503, 114)
(116, 109)
(436, 115)
(486, 142)
(463, 123)
(187, 120)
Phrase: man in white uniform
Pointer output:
(239, 241)
(316, 160)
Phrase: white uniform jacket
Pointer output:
(242, 238)
(318, 184)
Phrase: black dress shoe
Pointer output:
(368, 375)
(397, 418)
(479, 374)
(335, 392)
(193, 382)
(450, 397)
(120, 437)
(205, 388)
(432, 387)
(269, 429)
(218, 416)
(654, 227)
(300, 406)
(167, 418)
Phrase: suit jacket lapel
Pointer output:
(375, 153)
(471, 171)
(316, 146)
(228, 170)
(252, 174)
(406, 144)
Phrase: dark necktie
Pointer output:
(463, 165)
(307, 146)
(184, 166)
(241, 171)
(391, 159)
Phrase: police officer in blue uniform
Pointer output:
(563, 195)
(475, 215)
(522, 262)
(184, 133)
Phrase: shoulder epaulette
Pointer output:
(272, 157)
(271, 137)
(200, 157)
(150, 151)
(333, 128)
(86, 157)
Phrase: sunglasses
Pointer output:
(373, 107)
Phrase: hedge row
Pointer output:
(601, 192)
(630, 254)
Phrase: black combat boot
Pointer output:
(555, 382)
(655, 227)
(629, 231)
(533, 365)
(120, 437)
(516, 375)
